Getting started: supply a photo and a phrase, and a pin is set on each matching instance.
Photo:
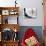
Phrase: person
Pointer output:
(30, 38)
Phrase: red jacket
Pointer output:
(29, 33)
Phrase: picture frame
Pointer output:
(30, 12)
(5, 12)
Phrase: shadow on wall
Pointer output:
(37, 29)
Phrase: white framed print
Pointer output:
(5, 12)
(30, 12)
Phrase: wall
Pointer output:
(38, 21)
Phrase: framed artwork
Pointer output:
(30, 12)
(5, 12)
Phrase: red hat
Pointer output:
(29, 33)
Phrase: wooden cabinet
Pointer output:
(10, 43)
(6, 12)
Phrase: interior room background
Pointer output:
(37, 23)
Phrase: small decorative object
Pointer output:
(30, 13)
(15, 3)
(5, 12)
(13, 12)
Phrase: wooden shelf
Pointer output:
(9, 43)
(9, 8)
(11, 26)
(4, 24)
(6, 12)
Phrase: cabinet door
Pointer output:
(10, 44)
